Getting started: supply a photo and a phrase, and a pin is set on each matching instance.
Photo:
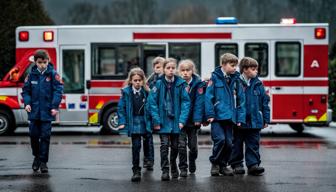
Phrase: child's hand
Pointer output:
(266, 125)
(198, 124)
(238, 124)
(28, 108)
(54, 112)
(157, 127)
(121, 126)
(181, 125)
(210, 120)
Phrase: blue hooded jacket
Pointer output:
(157, 105)
(257, 109)
(223, 101)
(42, 92)
(125, 111)
(196, 94)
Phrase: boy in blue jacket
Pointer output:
(188, 136)
(169, 105)
(257, 117)
(42, 94)
(224, 108)
(133, 115)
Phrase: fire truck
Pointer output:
(93, 61)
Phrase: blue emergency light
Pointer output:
(226, 20)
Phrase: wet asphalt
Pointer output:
(91, 162)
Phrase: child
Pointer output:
(42, 94)
(132, 115)
(169, 105)
(148, 146)
(196, 86)
(224, 107)
(157, 68)
(257, 117)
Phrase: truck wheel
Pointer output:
(110, 121)
(7, 124)
(298, 127)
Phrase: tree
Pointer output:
(16, 13)
(190, 14)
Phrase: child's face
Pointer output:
(42, 64)
(158, 68)
(170, 70)
(137, 81)
(251, 72)
(186, 72)
(229, 68)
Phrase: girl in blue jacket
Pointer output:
(132, 114)
(187, 71)
(257, 117)
(169, 105)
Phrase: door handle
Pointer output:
(277, 88)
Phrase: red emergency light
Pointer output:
(48, 36)
(23, 35)
(320, 33)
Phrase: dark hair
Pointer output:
(42, 54)
(247, 62)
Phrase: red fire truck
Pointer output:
(93, 62)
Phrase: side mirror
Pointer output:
(88, 84)
(14, 74)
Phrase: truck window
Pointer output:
(221, 48)
(287, 59)
(73, 71)
(114, 60)
(182, 51)
(259, 52)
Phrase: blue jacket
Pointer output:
(196, 94)
(223, 101)
(257, 109)
(157, 103)
(42, 93)
(125, 111)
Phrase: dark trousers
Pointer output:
(251, 138)
(40, 132)
(188, 136)
(169, 140)
(221, 135)
(136, 148)
(148, 147)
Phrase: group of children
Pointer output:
(175, 106)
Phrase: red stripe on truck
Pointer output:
(182, 35)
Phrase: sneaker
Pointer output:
(214, 170)
(239, 170)
(192, 166)
(256, 170)
(44, 167)
(165, 176)
(136, 176)
(184, 173)
(225, 170)
(36, 164)
(145, 163)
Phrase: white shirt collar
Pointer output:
(225, 74)
(247, 80)
(136, 90)
(42, 72)
(190, 81)
(170, 81)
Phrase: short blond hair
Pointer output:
(228, 58)
(158, 60)
(247, 62)
(188, 63)
(169, 60)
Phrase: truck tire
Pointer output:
(298, 127)
(7, 123)
(110, 122)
